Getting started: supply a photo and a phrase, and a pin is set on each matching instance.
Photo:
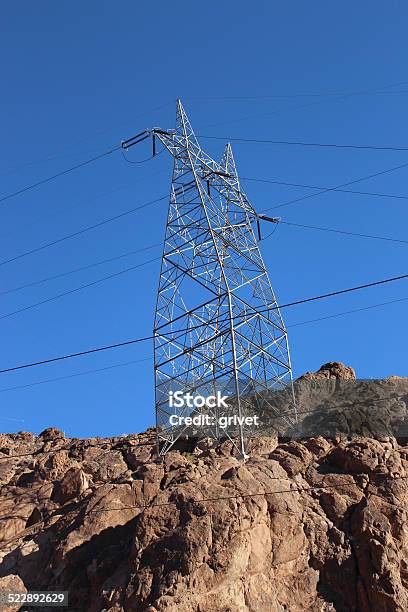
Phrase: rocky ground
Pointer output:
(310, 524)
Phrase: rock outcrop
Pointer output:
(313, 524)
(333, 369)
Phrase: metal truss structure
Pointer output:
(217, 324)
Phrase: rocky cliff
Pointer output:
(315, 523)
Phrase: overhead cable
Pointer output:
(79, 288)
(118, 365)
(58, 174)
(305, 144)
(329, 189)
(279, 220)
(286, 184)
(75, 270)
(150, 337)
(82, 231)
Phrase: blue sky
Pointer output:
(79, 77)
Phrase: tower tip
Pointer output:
(183, 125)
(228, 161)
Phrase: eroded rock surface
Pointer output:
(304, 525)
(313, 524)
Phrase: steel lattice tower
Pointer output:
(217, 323)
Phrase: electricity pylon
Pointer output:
(217, 324)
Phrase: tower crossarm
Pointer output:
(208, 171)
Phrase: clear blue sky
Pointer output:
(79, 77)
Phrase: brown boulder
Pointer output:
(73, 484)
(51, 433)
(14, 514)
(333, 369)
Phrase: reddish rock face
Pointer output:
(314, 524)
(304, 525)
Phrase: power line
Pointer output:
(62, 173)
(75, 270)
(151, 337)
(125, 442)
(86, 139)
(347, 312)
(130, 269)
(81, 231)
(110, 151)
(79, 354)
(13, 169)
(7, 418)
(297, 95)
(75, 289)
(54, 176)
(323, 190)
(203, 500)
(300, 95)
(297, 143)
(305, 144)
(66, 171)
(68, 376)
(307, 105)
(130, 211)
(285, 183)
(97, 281)
(86, 162)
(279, 111)
(340, 292)
(344, 232)
(353, 182)
(78, 203)
(94, 370)
(144, 507)
(114, 218)
(109, 220)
